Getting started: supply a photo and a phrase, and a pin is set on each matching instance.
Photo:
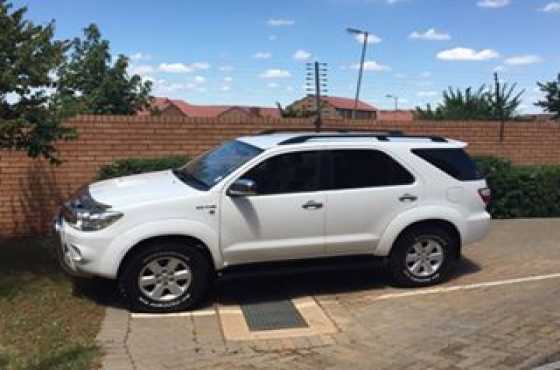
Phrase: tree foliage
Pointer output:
(551, 102)
(292, 112)
(89, 82)
(28, 56)
(481, 104)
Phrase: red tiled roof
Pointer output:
(191, 110)
(348, 103)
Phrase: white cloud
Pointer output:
(426, 74)
(141, 70)
(499, 69)
(225, 88)
(523, 60)
(262, 55)
(400, 75)
(552, 7)
(280, 22)
(140, 56)
(301, 55)
(465, 54)
(392, 2)
(275, 73)
(493, 3)
(200, 65)
(226, 68)
(228, 79)
(181, 67)
(372, 39)
(199, 79)
(430, 35)
(427, 94)
(272, 85)
(372, 65)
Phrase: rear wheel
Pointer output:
(422, 256)
(165, 276)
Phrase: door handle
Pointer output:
(408, 198)
(312, 205)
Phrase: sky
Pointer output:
(254, 52)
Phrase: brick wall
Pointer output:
(30, 190)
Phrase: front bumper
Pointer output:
(69, 256)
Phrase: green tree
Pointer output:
(291, 112)
(551, 102)
(28, 56)
(481, 104)
(90, 83)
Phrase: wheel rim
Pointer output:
(425, 257)
(165, 279)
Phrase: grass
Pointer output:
(45, 322)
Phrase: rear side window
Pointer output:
(354, 169)
(454, 162)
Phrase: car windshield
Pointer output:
(211, 167)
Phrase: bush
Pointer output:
(132, 166)
(521, 191)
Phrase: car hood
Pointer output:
(147, 187)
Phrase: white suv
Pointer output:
(278, 196)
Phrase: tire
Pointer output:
(180, 284)
(416, 250)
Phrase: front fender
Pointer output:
(403, 220)
(124, 242)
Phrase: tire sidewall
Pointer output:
(403, 244)
(189, 256)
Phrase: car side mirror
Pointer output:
(242, 188)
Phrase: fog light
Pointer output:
(75, 254)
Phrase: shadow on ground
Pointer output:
(37, 256)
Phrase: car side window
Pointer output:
(296, 172)
(354, 169)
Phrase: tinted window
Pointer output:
(287, 173)
(454, 162)
(366, 168)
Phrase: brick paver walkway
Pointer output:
(509, 326)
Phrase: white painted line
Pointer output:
(175, 314)
(465, 287)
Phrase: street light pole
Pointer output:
(362, 61)
(396, 98)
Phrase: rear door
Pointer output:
(367, 189)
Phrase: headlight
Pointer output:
(84, 213)
(87, 221)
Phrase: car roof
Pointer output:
(267, 141)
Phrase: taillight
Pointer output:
(486, 195)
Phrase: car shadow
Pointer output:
(258, 288)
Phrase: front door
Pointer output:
(284, 220)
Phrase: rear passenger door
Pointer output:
(367, 189)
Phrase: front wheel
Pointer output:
(165, 276)
(422, 256)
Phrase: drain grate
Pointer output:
(273, 315)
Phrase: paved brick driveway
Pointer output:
(463, 324)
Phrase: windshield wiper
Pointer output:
(190, 179)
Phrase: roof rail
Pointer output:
(333, 129)
(380, 137)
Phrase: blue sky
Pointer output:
(254, 52)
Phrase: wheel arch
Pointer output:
(189, 242)
(448, 219)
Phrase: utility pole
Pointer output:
(396, 98)
(365, 34)
(317, 73)
(499, 104)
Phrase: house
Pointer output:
(337, 107)
(180, 108)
